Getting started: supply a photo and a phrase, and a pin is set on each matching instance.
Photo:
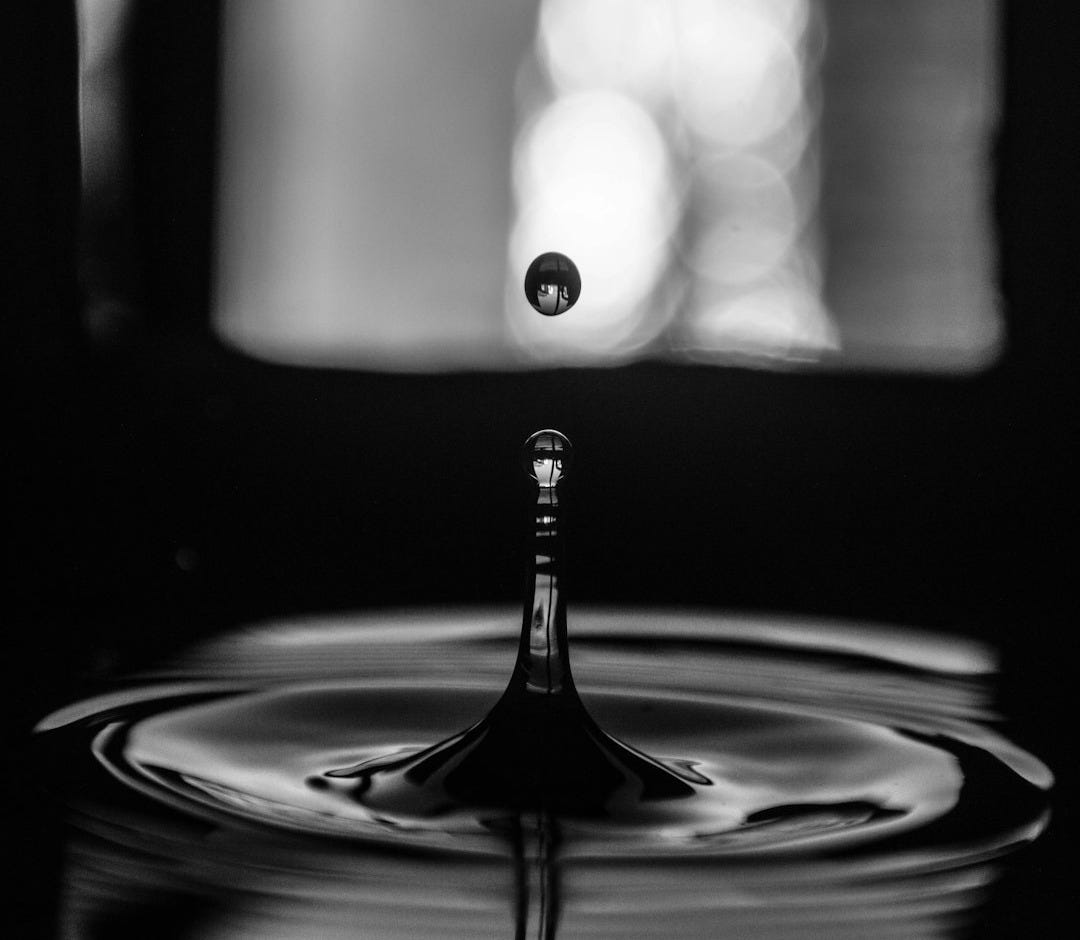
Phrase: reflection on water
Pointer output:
(848, 784)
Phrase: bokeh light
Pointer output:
(723, 85)
(592, 180)
(625, 45)
(780, 319)
(749, 220)
(739, 76)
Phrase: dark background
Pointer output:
(163, 487)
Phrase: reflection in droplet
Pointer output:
(546, 456)
(552, 283)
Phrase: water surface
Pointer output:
(842, 781)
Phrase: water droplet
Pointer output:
(547, 457)
(552, 283)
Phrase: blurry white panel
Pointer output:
(766, 182)
(910, 107)
(364, 196)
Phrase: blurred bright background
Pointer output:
(759, 182)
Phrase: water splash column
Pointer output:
(543, 665)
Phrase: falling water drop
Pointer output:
(552, 283)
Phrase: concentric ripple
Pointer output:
(841, 776)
